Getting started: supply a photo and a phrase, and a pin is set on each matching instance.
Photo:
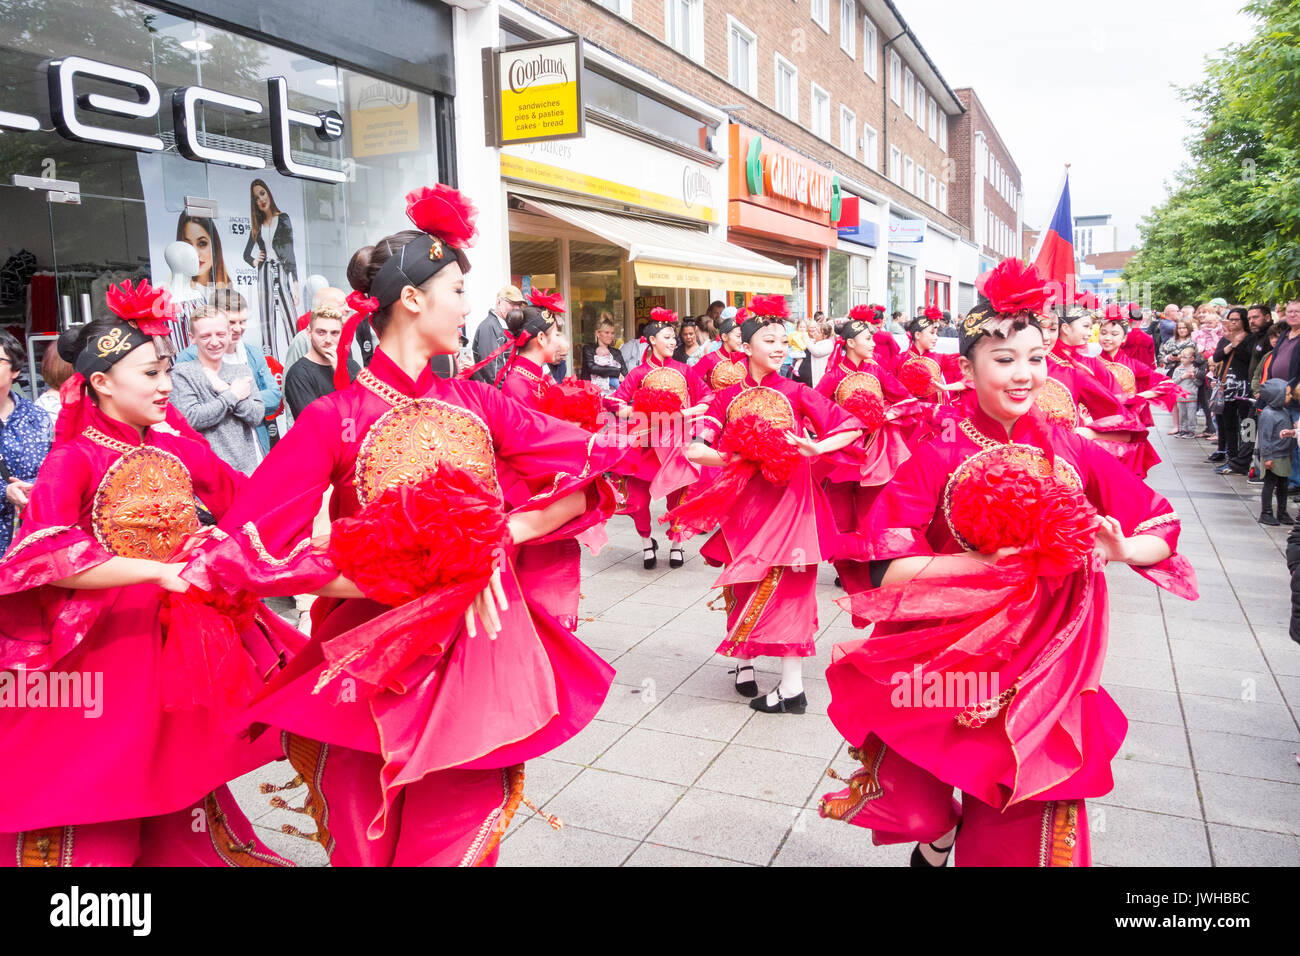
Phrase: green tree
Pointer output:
(1231, 223)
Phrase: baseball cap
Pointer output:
(1221, 303)
(728, 313)
(510, 293)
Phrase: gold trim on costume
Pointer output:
(1059, 833)
(754, 608)
(1169, 517)
(144, 505)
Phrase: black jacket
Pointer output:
(589, 362)
(281, 244)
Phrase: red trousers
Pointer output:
(902, 803)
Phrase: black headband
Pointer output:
(919, 324)
(980, 323)
(751, 325)
(103, 352)
(654, 328)
(414, 264)
(853, 328)
(726, 325)
(536, 321)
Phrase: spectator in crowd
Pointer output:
(1184, 376)
(794, 353)
(947, 328)
(689, 349)
(217, 397)
(708, 335)
(895, 326)
(1168, 322)
(313, 375)
(821, 342)
(1172, 347)
(241, 353)
(602, 364)
(1286, 355)
(25, 436)
(1272, 335)
(55, 372)
(1276, 439)
(335, 299)
(714, 311)
(1232, 371)
(634, 348)
(1259, 318)
(1208, 329)
(491, 333)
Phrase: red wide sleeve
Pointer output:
(40, 622)
(709, 425)
(699, 387)
(901, 516)
(518, 388)
(626, 389)
(824, 415)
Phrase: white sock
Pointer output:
(648, 544)
(791, 680)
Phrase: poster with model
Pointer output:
(255, 245)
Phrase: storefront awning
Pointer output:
(673, 257)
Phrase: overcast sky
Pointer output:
(1091, 84)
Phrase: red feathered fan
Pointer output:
(1086, 299)
(574, 400)
(1013, 287)
(443, 212)
(547, 301)
(148, 307)
(1001, 504)
(933, 314)
(862, 313)
(916, 378)
(770, 307)
(756, 440)
(867, 407)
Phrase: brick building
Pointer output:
(987, 196)
(839, 91)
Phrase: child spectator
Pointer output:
(1184, 376)
(1276, 442)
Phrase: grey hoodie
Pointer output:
(1272, 419)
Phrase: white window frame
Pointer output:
(825, 21)
(943, 198)
(851, 146)
(943, 131)
(909, 174)
(694, 45)
(849, 37)
(932, 191)
(909, 91)
(895, 165)
(920, 181)
(895, 78)
(734, 26)
(870, 49)
(814, 114)
(921, 95)
(932, 113)
(871, 146)
(621, 7)
(778, 62)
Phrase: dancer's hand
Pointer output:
(485, 607)
(169, 578)
(1112, 543)
(807, 447)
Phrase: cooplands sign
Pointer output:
(77, 116)
(538, 91)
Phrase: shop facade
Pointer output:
(212, 130)
(850, 264)
(784, 206)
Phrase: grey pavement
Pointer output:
(678, 771)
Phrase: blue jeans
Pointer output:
(1295, 468)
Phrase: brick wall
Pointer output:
(780, 26)
(969, 179)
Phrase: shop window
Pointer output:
(534, 261)
(595, 289)
(837, 270)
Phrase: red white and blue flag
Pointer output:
(1054, 256)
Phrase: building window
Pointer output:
(932, 194)
(895, 77)
(787, 90)
(909, 174)
(821, 14)
(870, 49)
(870, 147)
(742, 57)
(943, 131)
(848, 25)
(920, 180)
(909, 87)
(934, 120)
(895, 165)
(848, 131)
(920, 104)
(820, 114)
(616, 6)
(685, 26)
(943, 198)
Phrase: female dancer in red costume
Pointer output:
(856, 383)
(422, 722)
(725, 365)
(944, 372)
(774, 522)
(1141, 383)
(549, 572)
(659, 395)
(118, 775)
(983, 670)
(1095, 403)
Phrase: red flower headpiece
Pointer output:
(862, 313)
(880, 309)
(1085, 299)
(1014, 286)
(1134, 312)
(445, 213)
(1113, 313)
(770, 307)
(666, 316)
(742, 314)
(547, 301)
(933, 314)
(148, 307)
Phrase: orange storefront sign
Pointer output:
(776, 191)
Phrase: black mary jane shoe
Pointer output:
(648, 557)
(791, 705)
(676, 557)
(745, 688)
(918, 859)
